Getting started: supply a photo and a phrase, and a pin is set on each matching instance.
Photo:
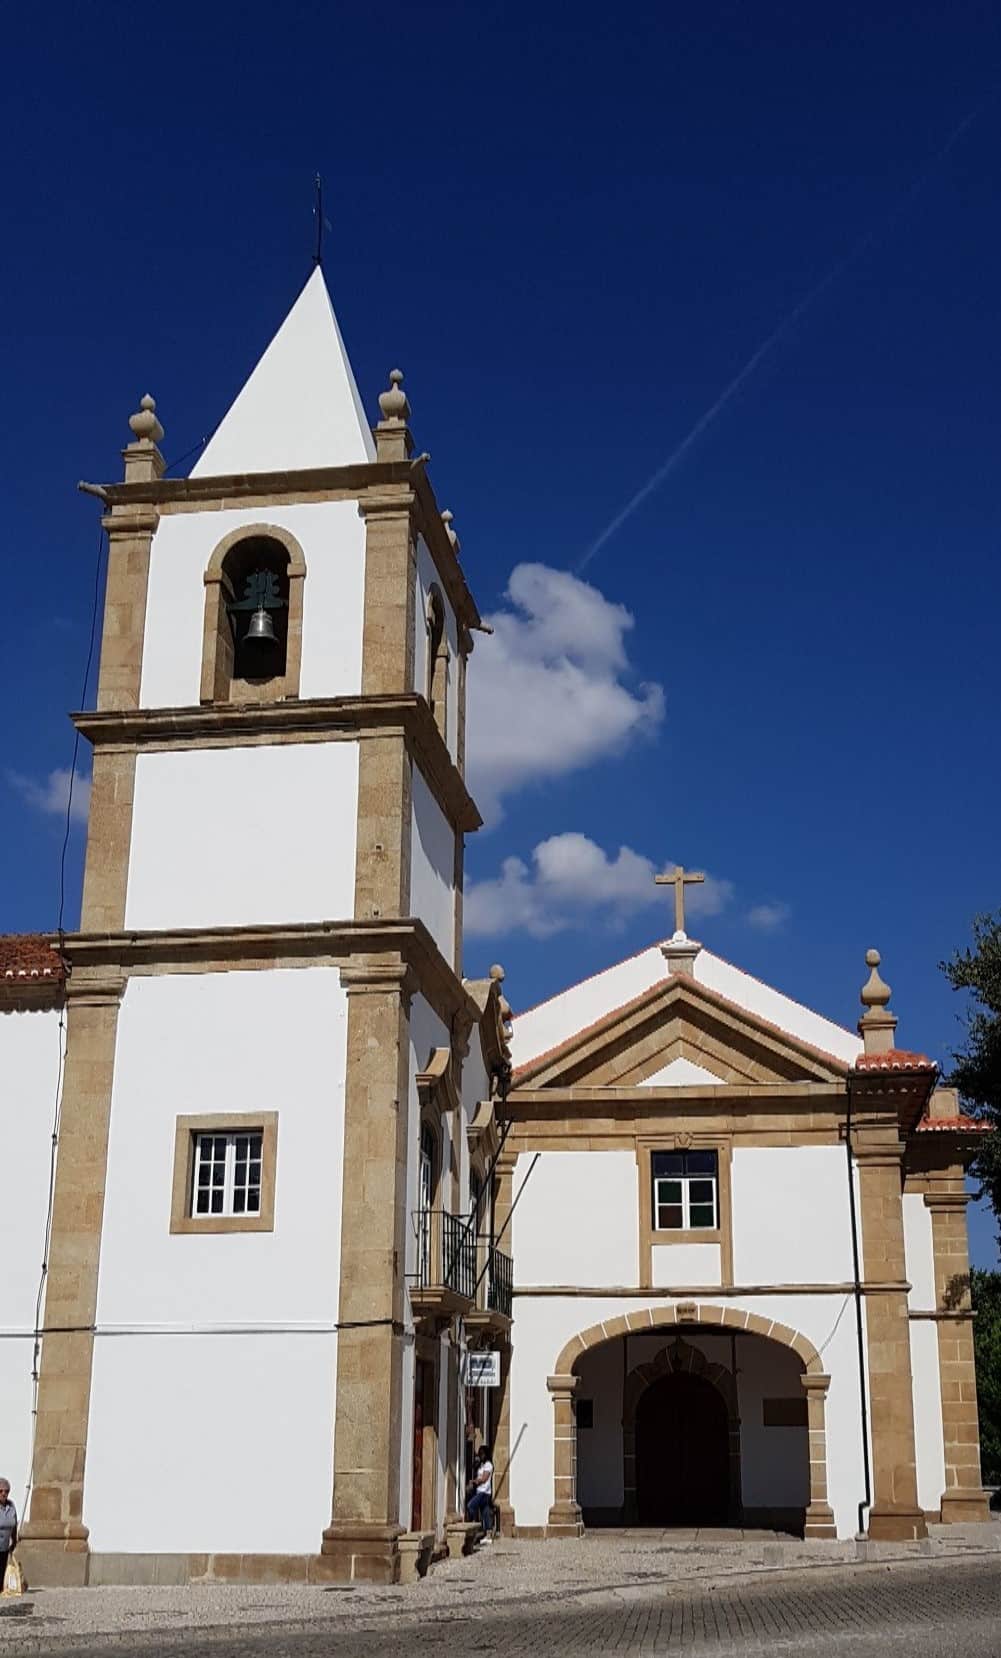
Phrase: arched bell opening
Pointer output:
(252, 645)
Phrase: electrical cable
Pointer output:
(195, 447)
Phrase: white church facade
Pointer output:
(288, 1168)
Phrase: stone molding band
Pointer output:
(675, 1292)
(99, 963)
(309, 719)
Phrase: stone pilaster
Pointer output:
(54, 1539)
(819, 1514)
(361, 1541)
(565, 1519)
(964, 1497)
(109, 840)
(895, 1512)
(390, 591)
(130, 532)
(130, 537)
(453, 1433)
(385, 783)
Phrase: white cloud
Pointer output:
(572, 882)
(768, 917)
(52, 794)
(547, 691)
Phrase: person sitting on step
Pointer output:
(480, 1504)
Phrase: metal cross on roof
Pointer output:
(679, 880)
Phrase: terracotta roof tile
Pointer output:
(895, 1059)
(29, 958)
(953, 1125)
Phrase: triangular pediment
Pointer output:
(679, 1034)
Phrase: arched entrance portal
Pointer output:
(620, 1437)
(682, 1453)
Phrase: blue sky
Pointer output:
(572, 229)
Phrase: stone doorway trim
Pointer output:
(565, 1515)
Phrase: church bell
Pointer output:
(261, 631)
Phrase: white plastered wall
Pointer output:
(428, 577)
(926, 1385)
(432, 868)
(332, 537)
(577, 1219)
(545, 1323)
(685, 1265)
(227, 837)
(29, 1074)
(211, 1346)
(791, 1218)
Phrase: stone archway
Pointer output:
(680, 1358)
(565, 1518)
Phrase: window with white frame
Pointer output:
(685, 1191)
(226, 1173)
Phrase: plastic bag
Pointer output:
(13, 1577)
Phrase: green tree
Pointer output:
(986, 1291)
(977, 1072)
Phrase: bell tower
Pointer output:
(271, 929)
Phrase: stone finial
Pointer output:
(143, 461)
(877, 1024)
(497, 972)
(446, 519)
(393, 402)
(144, 423)
(875, 992)
(392, 435)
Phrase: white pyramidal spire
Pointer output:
(300, 408)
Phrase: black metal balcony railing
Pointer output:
(500, 1283)
(446, 1254)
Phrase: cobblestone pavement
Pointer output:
(924, 1605)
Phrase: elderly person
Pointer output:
(8, 1526)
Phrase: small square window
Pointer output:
(224, 1159)
(224, 1177)
(685, 1191)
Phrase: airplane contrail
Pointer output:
(768, 345)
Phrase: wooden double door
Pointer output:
(682, 1453)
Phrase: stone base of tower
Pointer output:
(54, 1562)
(896, 1525)
(359, 1551)
(961, 1506)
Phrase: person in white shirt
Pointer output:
(480, 1505)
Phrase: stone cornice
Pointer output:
(610, 1100)
(348, 482)
(360, 948)
(310, 719)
